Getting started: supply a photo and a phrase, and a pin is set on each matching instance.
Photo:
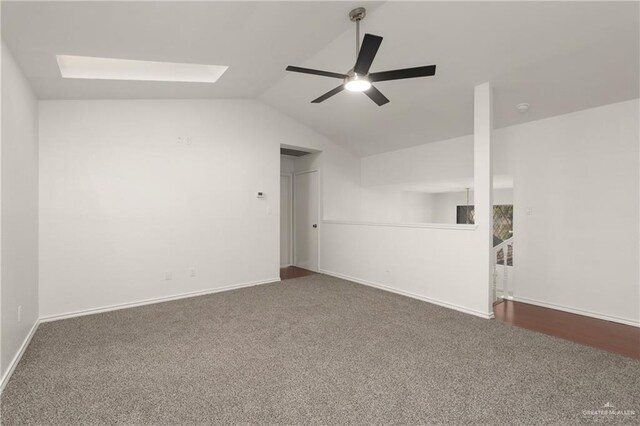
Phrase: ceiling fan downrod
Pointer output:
(357, 15)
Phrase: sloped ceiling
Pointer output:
(255, 39)
(558, 56)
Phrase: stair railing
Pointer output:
(502, 261)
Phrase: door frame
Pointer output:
(291, 228)
(319, 204)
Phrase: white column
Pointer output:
(483, 184)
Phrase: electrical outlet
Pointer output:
(168, 275)
(192, 272)
(20, 313)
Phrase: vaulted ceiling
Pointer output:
(558, 56)
(255, 39)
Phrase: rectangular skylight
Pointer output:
(125, 69)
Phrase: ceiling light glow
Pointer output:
(357, 84)
(87, 67)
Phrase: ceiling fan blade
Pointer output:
(376, 96)
(368, 50)
(426, 71)
(329, 94)
(316, 72)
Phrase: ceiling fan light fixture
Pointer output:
(357, 84)
(358, 78)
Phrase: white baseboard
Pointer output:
(619, 320)
(16, 359)
(485, 315)
(27, 340)
(119, 306)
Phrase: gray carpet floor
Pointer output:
(313, 350)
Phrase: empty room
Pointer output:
(313, 212)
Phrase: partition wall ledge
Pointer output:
(403, 225)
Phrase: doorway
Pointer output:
(305, 220)
(286, 220)
(287, 268)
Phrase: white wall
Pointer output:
(340, 181)
(122, 200)
(576, 221)
(98, 244)
(417, 207)
(445, 165)
(393, 205)
(286, 164)
(391, 181)
(19, 278)
(286, 167)
(439, 265)
(286, 219)
(443, 264)
(578, 176)
(445, 204)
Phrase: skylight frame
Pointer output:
(98, 68)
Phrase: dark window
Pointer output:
(502, 220)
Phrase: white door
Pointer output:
(305, 220)
(285, 220)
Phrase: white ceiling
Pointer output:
(257, 40)
(558, 56)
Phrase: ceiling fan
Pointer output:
(358, 78)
